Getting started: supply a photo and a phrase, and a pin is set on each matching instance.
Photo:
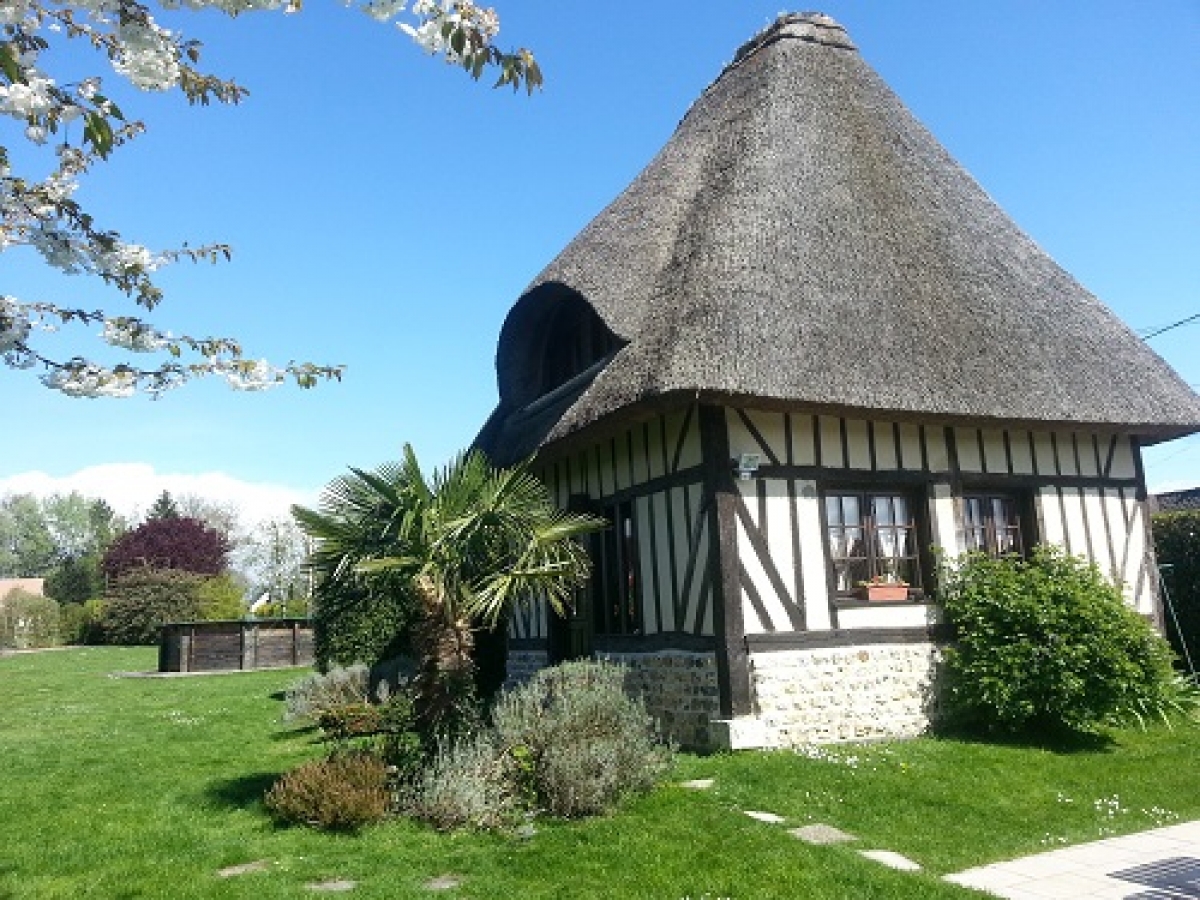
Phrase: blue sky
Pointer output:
(385, 211)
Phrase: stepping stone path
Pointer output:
(333, 886)
(443, 883)
(768, 817)
(892, 860)
(821, 834)
(259, 865)
(699, 784)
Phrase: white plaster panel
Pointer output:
(1076, 528)
(1066, 453)
(885, 446)
(908, 615)
(691, 455)
(740, 439)
(1122, 464)
(682, 537)
(1051, 516)
(779, 537)
(647, 597)
(1137, 590)
(622, 474)
(910, 446)
(776, 616)
(803, 450)
(1102, 553)
(831, 443)
(935, 449)
(812, 551)
(966, 442)
(1044, 453)
(945, 520)
(694, 493)
(1022, 458)
(857, 444)
(994, 453)
(770, 426)
(1087, 455)
(662, 542)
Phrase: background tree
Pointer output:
(272, 557)
(39, 211)
(27, 548)
(163, 508)
(1177, 546)
(138, 603)
(468, 544)
(182, 544)
(28, 620)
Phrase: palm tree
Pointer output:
(469, 544)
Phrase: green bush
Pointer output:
(578, 740)
(28, 620)
(1177, 546)
(80, 623)
(138, 604)
(319, 692)
(354, 622)
(343, 792)
(221, 598)
(1046, 645)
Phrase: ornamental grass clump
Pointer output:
(343, 792)
(1047, 644)
(320, 693)
(466, 784)
(577, 741)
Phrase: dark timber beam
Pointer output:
(733, 660)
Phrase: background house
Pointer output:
(800, 351)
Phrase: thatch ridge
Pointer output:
(803, 239)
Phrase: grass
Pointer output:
(135, 787)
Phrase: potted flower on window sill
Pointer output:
(882, 590)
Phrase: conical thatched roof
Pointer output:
(803, 240)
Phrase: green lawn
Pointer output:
(143, 787)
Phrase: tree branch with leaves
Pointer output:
(81, 126)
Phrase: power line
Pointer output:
(1166, 328)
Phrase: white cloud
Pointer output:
(130, 488)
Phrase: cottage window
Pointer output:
(616, 605)
(992, 524)
(872, 536)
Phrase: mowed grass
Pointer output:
(120, 787)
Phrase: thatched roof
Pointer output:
(803, 240)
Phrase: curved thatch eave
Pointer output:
(803, 240)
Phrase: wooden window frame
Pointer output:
(1019, 507)
(616, 575)
(918, 522)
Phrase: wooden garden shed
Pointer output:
(800, 351)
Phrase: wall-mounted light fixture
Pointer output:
(746, 465)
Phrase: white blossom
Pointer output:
(91, 380)
(14, 325)
(250, 376)
(130, 334)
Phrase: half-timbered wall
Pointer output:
(655, 467)
(1084, 490)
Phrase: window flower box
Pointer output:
(883, 591)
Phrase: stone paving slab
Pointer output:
(1084, 872)
(821, 834)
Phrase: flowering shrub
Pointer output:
(1047, 644)
(41, 213)
(343, 792)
